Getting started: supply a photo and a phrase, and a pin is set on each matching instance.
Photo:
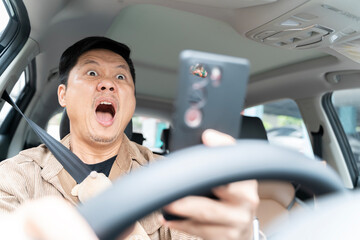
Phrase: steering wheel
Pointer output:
(195, 170)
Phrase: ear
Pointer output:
(61, 95)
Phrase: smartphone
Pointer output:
(211, 93)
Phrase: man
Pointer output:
(98, 90)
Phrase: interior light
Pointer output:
(333, 38)
(290, 23)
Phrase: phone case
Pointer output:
(211, 93)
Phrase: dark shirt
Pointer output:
(103, 167)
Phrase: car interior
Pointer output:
(302, 92)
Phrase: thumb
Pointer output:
(213, 138)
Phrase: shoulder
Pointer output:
(18, 173)
(142, 154)
(24, 161)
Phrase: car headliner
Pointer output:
(157, 33)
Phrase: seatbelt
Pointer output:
(317, 140)
(72, 164)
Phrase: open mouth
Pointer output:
(105, 113)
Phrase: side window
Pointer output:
(14, 30)
(53, 126)
(21, 93)
(284, 125)
(4, 19)
(15, 93)
(347, 108)
(151, 129)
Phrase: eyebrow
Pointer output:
(89, 61)
(123, 66)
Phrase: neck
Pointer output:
(93, 152)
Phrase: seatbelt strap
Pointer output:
(317, 140)
(72, 164)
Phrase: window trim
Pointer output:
(341, 137)
(9, 126)
(19, 29)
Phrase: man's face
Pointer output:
(99, 97)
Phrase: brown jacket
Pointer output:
(35, 173)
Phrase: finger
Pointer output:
(212, 232)
(213, 138)
(239, 192)
(191, 207)
(205, 210)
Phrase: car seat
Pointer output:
(276, 197)
(165, 136)
(252, 128)
(138, 138)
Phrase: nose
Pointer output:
(106, 85)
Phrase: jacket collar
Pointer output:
(50, 165)
(127, 154)
(52, 172)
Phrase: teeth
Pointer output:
(106, 103)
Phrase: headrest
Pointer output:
(138, 138)
(65, 126)
(165, 136)
(252, 128)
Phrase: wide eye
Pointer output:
(120, 76)
(92, 73)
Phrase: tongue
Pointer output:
(104, 116)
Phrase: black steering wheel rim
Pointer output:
(194, 170)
